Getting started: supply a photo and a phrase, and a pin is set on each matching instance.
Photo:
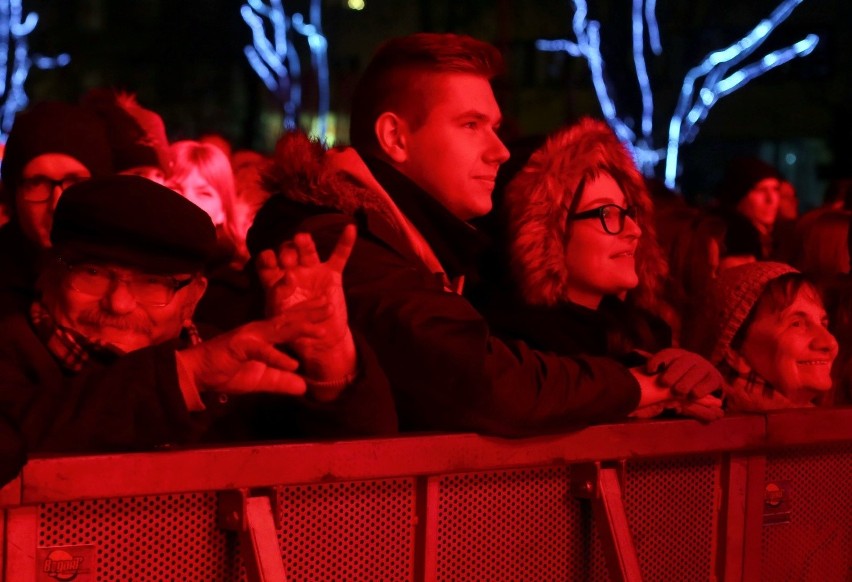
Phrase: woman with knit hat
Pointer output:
(768, 333)
(586, 271)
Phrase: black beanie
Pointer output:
(741, 175)
(53, 127)
(133, 221)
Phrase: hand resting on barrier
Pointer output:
(658, 397)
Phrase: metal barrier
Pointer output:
(745, 498)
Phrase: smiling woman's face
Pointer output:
(600, 263)
(792, 348)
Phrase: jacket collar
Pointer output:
(456, 243)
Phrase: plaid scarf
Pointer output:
(72, 349)
(747, 391)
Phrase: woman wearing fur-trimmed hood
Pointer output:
(547, 191)
(587, 270)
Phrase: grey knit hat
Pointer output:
(732, 298)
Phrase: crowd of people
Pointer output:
(159, 294)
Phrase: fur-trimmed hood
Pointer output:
(304, 171)
(537, 204)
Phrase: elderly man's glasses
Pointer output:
(41, 188)
(612, 216)
(96, 280)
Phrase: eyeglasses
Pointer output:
(41, 188)
(611, 216)
(96, 280)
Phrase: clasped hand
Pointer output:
(679, 380)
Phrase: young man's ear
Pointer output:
(390, 133)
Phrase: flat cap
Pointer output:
(133, 221)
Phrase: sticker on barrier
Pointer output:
(65, 563)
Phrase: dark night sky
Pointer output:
(184, 58)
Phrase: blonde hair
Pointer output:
(214, 166)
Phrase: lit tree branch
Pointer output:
(14, 30)
(276, 61)
(693, 104)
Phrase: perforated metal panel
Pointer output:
(144, 539)
(515, 525)
(816, 544)
(349, 531)
(670, 504)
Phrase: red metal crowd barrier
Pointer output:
(744, 498)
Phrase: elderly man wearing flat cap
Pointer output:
(108, 358)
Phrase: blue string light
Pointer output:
(277, 62)
(694, 102)
(14, 30)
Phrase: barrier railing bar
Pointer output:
(21, 539)
(263, 558)
(730, 530)
(601, 484)
(753, 525)
(430, 495)
(83, 477)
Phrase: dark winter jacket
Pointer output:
(447, 370)
(133, 402)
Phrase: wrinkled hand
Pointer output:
(686, 373)
(296, 274)
(657, 397)
(245, 359)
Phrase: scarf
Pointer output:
(72, 349)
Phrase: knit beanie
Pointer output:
(741, 175)
(53, 127)
(732, 298)
(137, 135)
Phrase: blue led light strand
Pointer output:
(715, 73)
(277, 61)
(14, 30)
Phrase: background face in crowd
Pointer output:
(760, 205)
(788, 202)
(792, 348)
(153, 173)
(116, 316)
(454, 155)
(195, 188)
(600, 263)
(37, 196)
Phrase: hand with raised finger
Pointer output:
(685, 372)
(332, 356)
(246, 359)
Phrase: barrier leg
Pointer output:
(21, 537)
(253, 518)
(602, 486)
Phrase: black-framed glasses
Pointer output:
(612, 216)
(40, 188)
(96, 280)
